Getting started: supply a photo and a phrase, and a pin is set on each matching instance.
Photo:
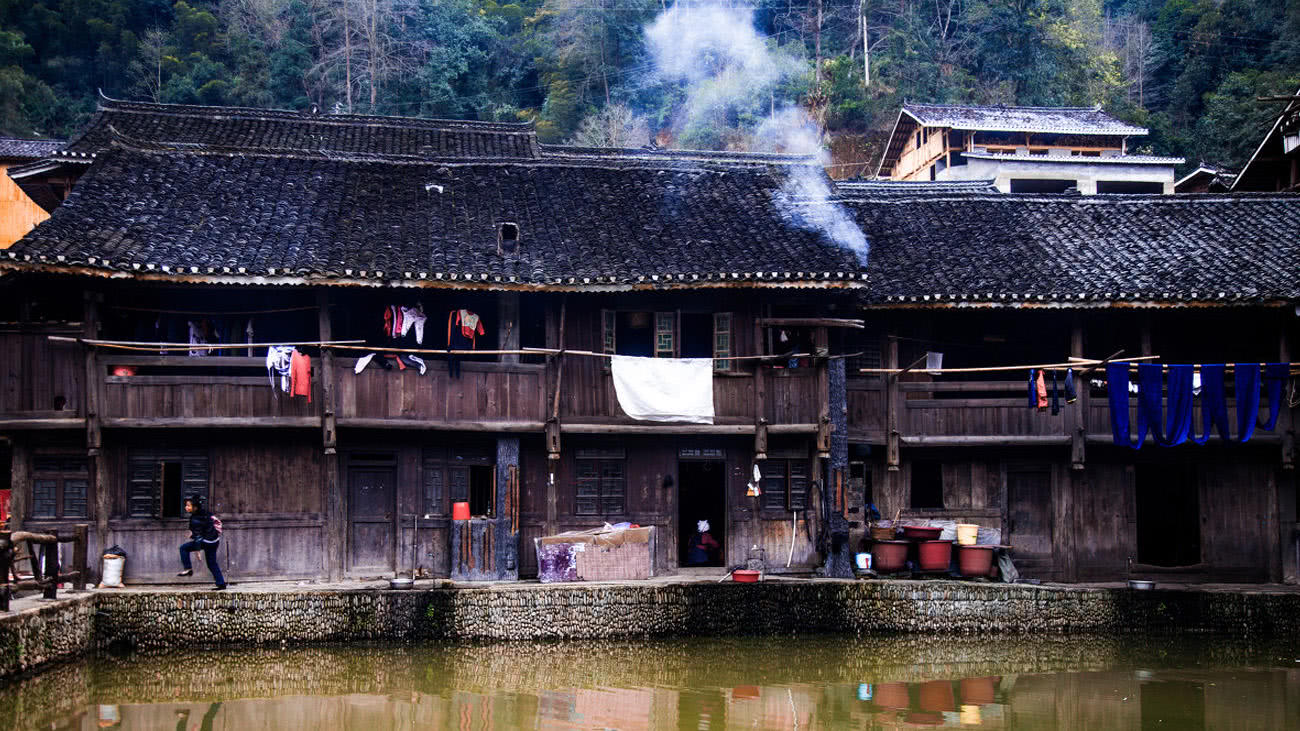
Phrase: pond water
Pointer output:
(707, 683)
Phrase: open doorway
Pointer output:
(1168, 515)
(701, 496)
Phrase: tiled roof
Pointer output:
(586, 221)
(1064, 120)
(1080, 250)
(13, 148)
(286, 131)
(876, 188)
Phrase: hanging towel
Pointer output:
(1178, 425)
(363, 361)
(665, 389)
(1033, 389)
(300, 375)
(1275, 375)
(1040, 389)
(278, 360)
(1056, 396)
(1214, 403)
(1117, 388)
(1071, 395)
(1246, 385)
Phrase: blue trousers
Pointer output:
(209, 556)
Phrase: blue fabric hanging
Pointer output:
(1275, 375)
(1071, 395)
(1214, 403)
(1033, 390)
(1117, 388)
(1151, 386)
(1179, 406)
(1246, 382)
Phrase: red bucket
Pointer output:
(460, 511)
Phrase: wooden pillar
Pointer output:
(508, 325)
(6, 559)
(80, 564)
(332, 500)
(1078, 418)
(50, 567)
(20, 482)
(821, 348)
(91, 401)
(1286, 418)
(760, 397)
(891, 406)
(1284, 488)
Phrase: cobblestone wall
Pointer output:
(170, 620)
(42, 635)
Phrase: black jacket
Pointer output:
(201, 526)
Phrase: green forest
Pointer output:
(581, 70)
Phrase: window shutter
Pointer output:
(798, 494)
(722, 341)
(433, 484)
(142, 477)
(194, 475)
(613, 487)
(458, 477)
(74, 498)
(609, 324)
(664, 328)
(774, 482)
(45, 497)
(588, 484)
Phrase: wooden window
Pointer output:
(609, 324)
(434, 479)
(159, 480)
(461, 473)
(665, 330)
(722, 341)
(785, 484)
(601, 482)
(60, 487)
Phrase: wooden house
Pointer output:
(19, 212)
(254, 227)
(277, 227)
(1275, 164)
(1023, 149)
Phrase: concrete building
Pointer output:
(1023, 150)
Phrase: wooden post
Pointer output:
(332, 501)
(94, 377)
(1286, 419)
(20, 482)
(1077, 421)
(821, 348)
(891, 407)
(760, 397)
(6, 560)
(508, 325)
(50, 568)
(553, 422)
(79, 558)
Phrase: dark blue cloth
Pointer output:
(1151, 386)
(1214, 403)
(1033, 390)
(1071, 395)
(1275, 375)
(209, 556)
(1178, 413)
(1246, 384)
(1117, 388)
(1056, 396)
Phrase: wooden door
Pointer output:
(1029, 521)
(372, 534)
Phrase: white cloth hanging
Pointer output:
(278, 359)
(665, 389)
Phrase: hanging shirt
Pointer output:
(300, 375)
(200, 334)
(279, 358)
(412, 317)
(1040, 388)
(466, 324)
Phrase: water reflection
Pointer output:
(750, 683)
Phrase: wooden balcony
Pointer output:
(43, 386)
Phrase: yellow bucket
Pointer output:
(967, 533)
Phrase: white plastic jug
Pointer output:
(112, 571)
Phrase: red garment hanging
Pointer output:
(300, 375)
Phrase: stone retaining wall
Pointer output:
(168, 620)
(36, 637)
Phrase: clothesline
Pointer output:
(203, 313)
(164, 347)
(1072, 363)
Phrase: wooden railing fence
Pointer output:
(45, 571)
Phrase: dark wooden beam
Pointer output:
(985, 441)
(821, 345)
(810, 322)
(333, 501)
(19, 423)
(354, 422)
(892, 397)
(213, 422)
(1076, 412)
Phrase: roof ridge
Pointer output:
(1007, 106)
(126, 106)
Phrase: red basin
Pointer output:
(975, 560)
(935, 555)
(888, 556)
(921, 532)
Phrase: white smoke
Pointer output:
(724, 63)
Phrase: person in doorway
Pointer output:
(203, 537)
(702, 547)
